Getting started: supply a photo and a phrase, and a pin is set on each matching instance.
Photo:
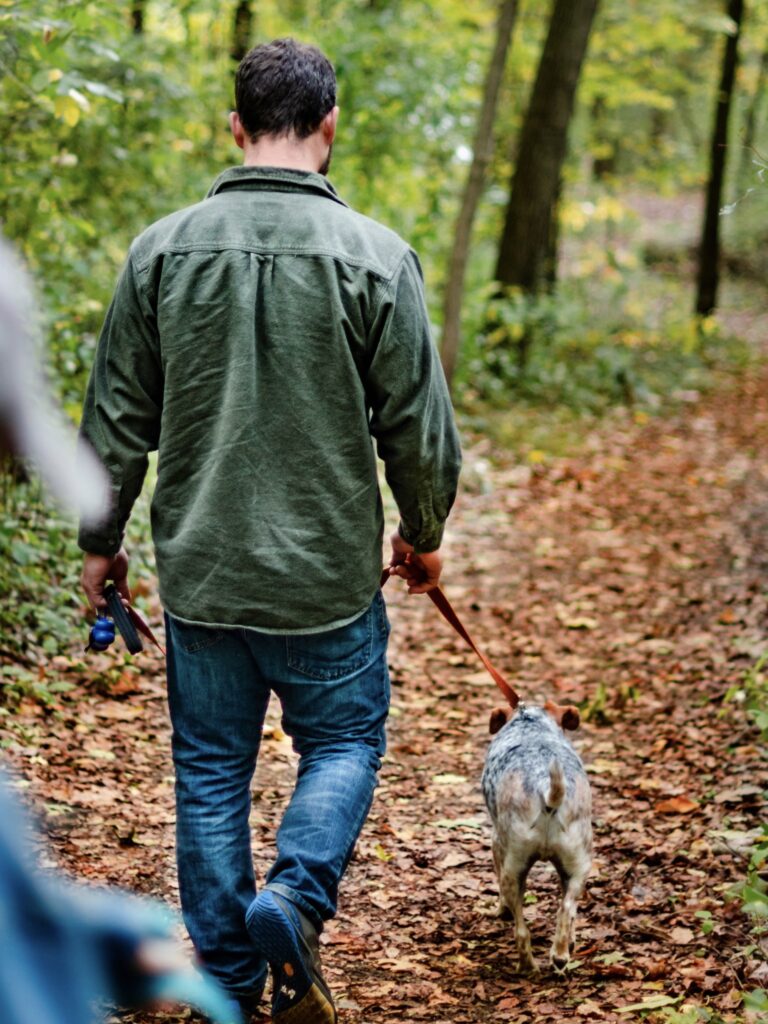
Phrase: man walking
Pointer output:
(259, 340)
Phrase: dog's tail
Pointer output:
(556, 786)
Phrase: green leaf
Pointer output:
(756, 1001)
(24, 554)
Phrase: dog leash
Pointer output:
(444, 606)
(131, 622)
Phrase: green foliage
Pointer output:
(615, 338)
(42, 610)
(706, 922)
(38, 574)
(647, 117)
(752, 694)
(752, 891)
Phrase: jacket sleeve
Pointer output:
(411, 415)
(123, 404)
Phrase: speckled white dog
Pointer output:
(540, 803)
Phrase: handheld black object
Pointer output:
(122, 620)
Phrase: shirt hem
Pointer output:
(272, 631)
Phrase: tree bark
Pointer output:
(709, 249)
(604, 164)
(746, 168)
(482, 154)
(543, 147)
(137, 17)
(242, 30)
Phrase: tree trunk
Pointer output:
(549, 266)
(746, 168)
(242, 30)
(137, 17)
(481, 157)
(604, 164)
(709, 250)
(543, 146)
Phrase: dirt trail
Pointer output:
(631, 579)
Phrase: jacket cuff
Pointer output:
(424, 540)
(97, 543)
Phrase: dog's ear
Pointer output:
(571, 718)
(567, 716)
(499, 718)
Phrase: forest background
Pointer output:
(113, 114)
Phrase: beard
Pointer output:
(325, 165)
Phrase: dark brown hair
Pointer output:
(283, 87)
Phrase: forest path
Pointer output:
(631, 578)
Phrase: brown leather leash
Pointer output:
(143, 626)
(436, 596)
(444, 606)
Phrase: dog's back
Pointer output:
(530, 747)
(539, 800)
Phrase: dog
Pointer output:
(539, 800)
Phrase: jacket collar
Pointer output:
(273, 179)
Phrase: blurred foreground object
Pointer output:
(67, 950)
(30, 425)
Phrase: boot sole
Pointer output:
(314, 1008)
(282, 945)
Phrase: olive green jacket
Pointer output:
(258, 340)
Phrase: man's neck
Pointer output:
(288, 153)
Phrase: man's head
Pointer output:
(285, 92)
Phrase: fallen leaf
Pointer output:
(651, 1003)
(676, 805)
(461, 823)
(455, 860)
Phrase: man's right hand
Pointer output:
(97, 569)
(421, 572)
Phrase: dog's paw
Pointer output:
(528, 964)
(559, 962)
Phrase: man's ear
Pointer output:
(499, 718)
(567, 716)
(328, 126)
(236, 127)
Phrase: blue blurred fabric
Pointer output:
(67, 951)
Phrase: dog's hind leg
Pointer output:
(565, 926)
(503, 912)
(512, 885)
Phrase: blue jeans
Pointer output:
(333, 688)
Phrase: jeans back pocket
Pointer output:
(335, 653)
(192, 637)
